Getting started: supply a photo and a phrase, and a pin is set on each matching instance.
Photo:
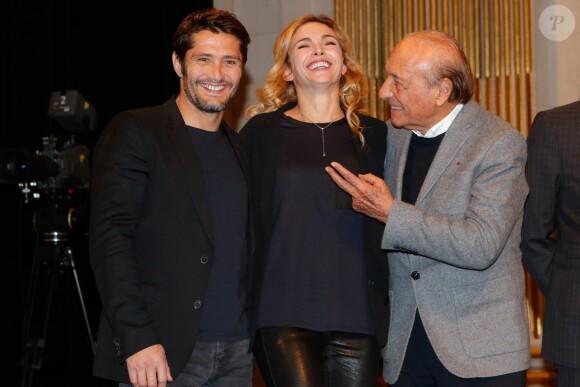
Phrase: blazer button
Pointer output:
(204, 259)
(117, 344)
(197, 304)
(415, 275)
(371, 282)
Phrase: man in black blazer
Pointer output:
(169, 230)
(551, 233)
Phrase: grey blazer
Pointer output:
(553, 172)
(461, 241)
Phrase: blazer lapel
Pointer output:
(402, 147)
(269, 147)
(455, 137)
(191, 166)
(239, 152)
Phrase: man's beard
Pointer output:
(195, 98)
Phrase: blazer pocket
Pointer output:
(491, 318)
(451, 194)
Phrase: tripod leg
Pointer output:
(33, 351)
(81, 299)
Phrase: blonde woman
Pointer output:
(319, 283)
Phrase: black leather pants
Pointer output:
(295, 357)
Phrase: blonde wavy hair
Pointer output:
(276, 92)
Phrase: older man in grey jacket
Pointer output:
(452, 202)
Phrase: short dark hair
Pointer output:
(214, 20)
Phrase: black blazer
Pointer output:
(260, 137)
(151, 242)
(553, 173)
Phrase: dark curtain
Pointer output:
(117, 55)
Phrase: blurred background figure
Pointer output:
(551, 233)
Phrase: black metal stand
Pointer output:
(40, 297)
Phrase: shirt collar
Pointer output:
(442, 126)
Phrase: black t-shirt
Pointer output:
(315, 274)
(223, 315)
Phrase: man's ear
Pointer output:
(176, 65)
(445, 88)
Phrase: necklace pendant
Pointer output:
(323, 144)
(321, 131)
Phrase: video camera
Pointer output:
(57, 176)
(54, 182)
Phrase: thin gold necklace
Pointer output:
(321, 130)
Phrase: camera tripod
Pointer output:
(44, 278)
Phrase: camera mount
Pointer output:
(55, 181)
